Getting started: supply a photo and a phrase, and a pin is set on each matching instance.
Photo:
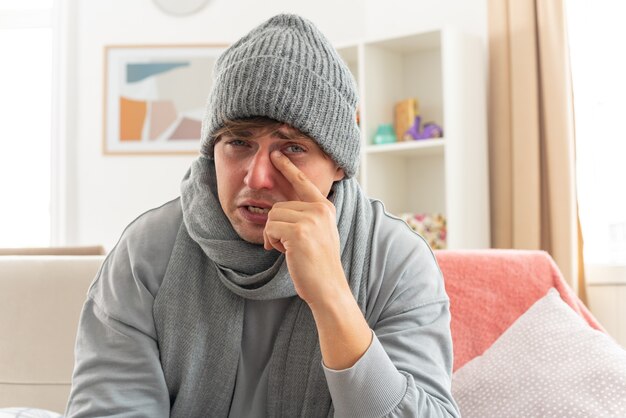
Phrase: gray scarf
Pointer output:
(200, 306)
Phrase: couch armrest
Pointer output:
(41, 298)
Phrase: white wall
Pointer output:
(105, 193)
(397, 17)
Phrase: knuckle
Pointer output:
(319, 207)
(324, 208)
(299, 232)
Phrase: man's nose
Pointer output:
(261, 172)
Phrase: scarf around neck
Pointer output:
(199, 309)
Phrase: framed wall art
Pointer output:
(154, 97)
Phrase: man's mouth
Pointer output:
(255, 209)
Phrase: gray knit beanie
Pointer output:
(285, 69)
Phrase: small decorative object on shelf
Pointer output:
(405, 112)
(430, 226)
(385, 134)
(429, 130)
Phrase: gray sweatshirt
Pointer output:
(406, 371)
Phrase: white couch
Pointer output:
(40, 302)
(492, 296)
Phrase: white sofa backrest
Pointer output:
(41, 298)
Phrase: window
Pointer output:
(596, 32)
(26, 47)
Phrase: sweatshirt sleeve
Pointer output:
(406, 371)
(117, 369)
(375, 387)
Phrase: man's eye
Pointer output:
(237, 143)
(294, 149)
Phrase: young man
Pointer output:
(272, 287)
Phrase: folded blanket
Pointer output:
(490, 289)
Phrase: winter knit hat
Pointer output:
(285, 69)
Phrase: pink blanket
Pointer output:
(490, 289)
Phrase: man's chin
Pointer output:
(253, 237)
(256, 241)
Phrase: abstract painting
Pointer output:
(155, 97)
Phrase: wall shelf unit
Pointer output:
(444, 70)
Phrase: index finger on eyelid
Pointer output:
(306, 190)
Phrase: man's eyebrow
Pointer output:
(291, 136)
(238, 133)
(283, 135)
(287, 136)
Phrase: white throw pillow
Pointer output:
(549, 363)
(27, 413)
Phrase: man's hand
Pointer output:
(306, 231)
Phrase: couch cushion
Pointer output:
(550, 362)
